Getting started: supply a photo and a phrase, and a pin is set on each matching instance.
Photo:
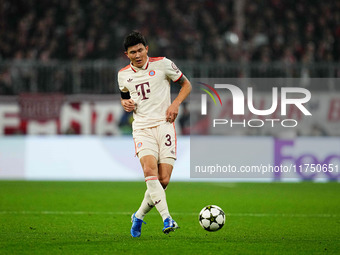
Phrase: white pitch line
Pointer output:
(175, 213)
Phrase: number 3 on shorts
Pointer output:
(168, 141)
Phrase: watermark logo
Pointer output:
(265, 128)
(204, 97)
(284, 98)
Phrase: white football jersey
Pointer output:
(149, 88)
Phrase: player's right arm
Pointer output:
(125, 100)
(128, 104)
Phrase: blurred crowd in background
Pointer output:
(204, 30)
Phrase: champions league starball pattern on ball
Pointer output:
(212, 218)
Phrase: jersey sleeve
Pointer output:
(171, 70)
(121, 83)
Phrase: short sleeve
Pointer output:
(121, 83)
(171, 70)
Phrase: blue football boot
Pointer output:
(169, 225)
(136, 228)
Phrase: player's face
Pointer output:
(138, 54)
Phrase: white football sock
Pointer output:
(145, 206)
(157, 195)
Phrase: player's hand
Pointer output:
(128, 104)
(172, 112)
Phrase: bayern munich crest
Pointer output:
(139, 144)
(152, 73)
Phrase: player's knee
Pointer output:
(164, 181)
(149, 171)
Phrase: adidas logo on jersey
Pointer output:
(129, 80)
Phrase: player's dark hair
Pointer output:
(133, 39)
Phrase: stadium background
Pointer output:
(59, 62)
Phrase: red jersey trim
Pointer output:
(124, 68)
(135, 147)
(133, 69)
(150, 60)
(147, 65)
(179, 78)
(155, 59)
(175, 139)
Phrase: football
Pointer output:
(212, 218)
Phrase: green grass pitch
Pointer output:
(94, 218)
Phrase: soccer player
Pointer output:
(145, 90)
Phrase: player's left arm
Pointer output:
(172, 112)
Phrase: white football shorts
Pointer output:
(159, 141)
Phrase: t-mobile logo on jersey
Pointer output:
(143, 89)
